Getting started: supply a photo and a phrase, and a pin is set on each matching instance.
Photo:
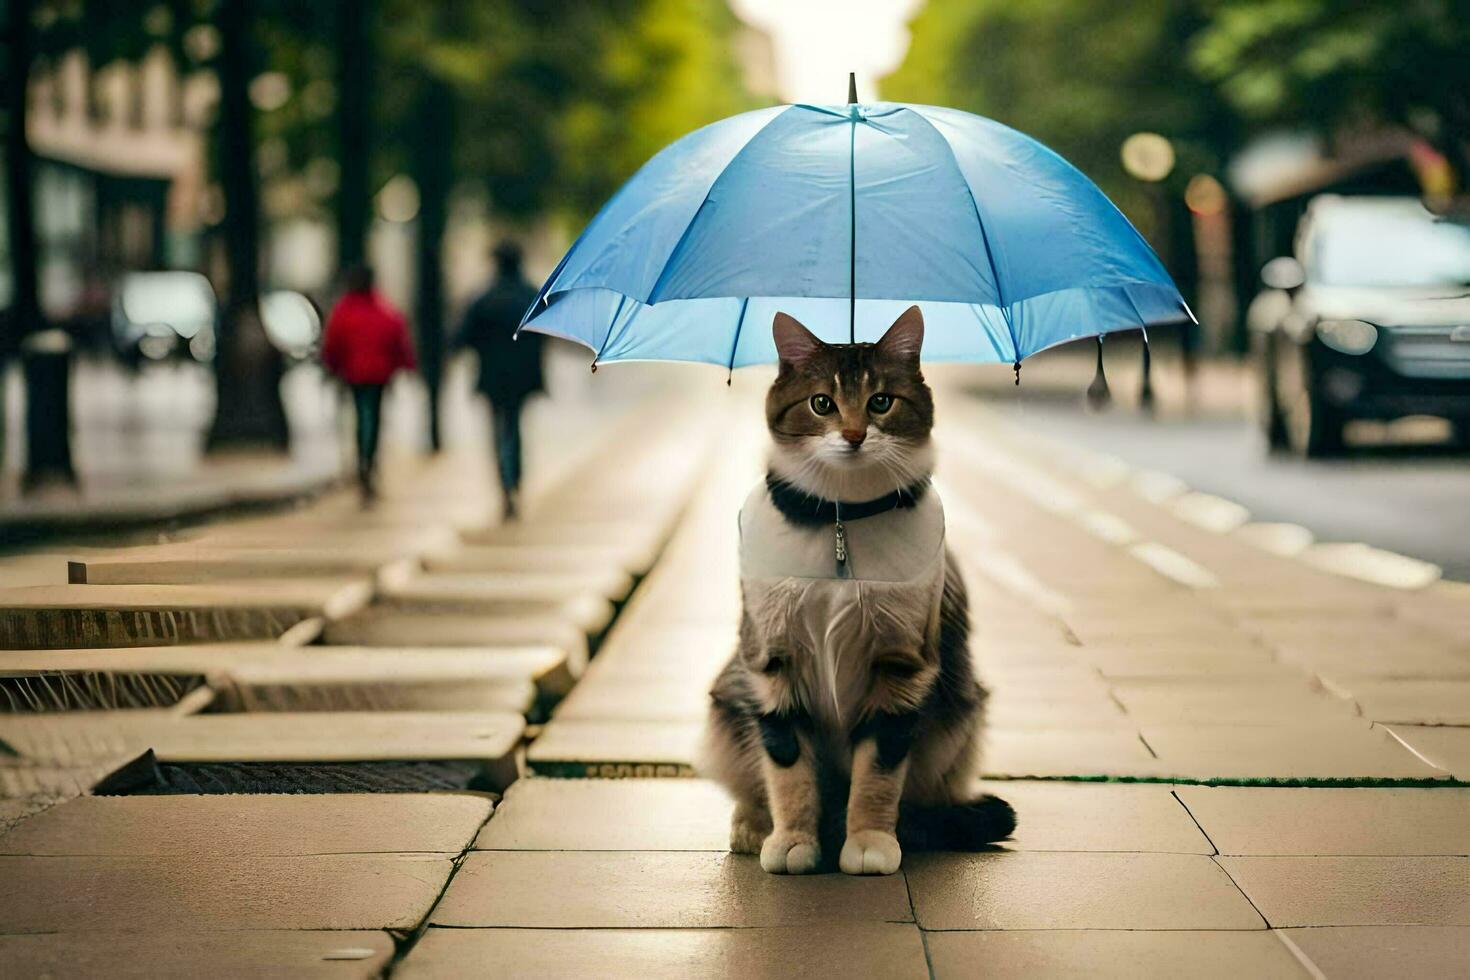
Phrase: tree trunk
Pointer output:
(431, 169)
(354, 128)
(247, 367)
(47, 359)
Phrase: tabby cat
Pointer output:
(850, 715)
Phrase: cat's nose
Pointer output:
(854, 437)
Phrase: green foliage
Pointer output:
(1078, 75)
(1343, 62)
(666, 71)
(556, 106)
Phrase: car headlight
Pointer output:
(1348, 336)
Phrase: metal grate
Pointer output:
(91, 690)
(146, 776)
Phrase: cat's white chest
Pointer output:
(832, 619)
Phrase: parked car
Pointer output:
(158, 315)
(1370, 319)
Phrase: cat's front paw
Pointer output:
(870, 852)
(788, 853)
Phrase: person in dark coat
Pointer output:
(366, 342)
(510, 367)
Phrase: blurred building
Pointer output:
(120, 176)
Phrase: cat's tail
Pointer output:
(967, 826)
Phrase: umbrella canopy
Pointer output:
(843, 216)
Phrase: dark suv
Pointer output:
(1370, 320)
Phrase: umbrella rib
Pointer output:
(607, 337)
(1000, 295)
(735, 344)
(663, 273)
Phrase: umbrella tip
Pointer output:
(852, 88)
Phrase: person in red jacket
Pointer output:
(365, 344)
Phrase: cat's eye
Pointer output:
(879, 404)
(823, 405)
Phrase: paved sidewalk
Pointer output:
(1225, 760)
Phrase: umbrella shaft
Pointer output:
(852, 234)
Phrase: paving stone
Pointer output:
(532, 559)
(187, 564)
(838, 952)
(1226, 700)
(1341, 750)
(614, 749)
(232, 826)
(528, 584)
(187, 954)
(610, 815)
(1009, 709)
(1223, 955)
(600, 698)
(1371, 952)
(545, 667)
(1076, 816)
(665, 889)
(39, 783)
(272, 663)
(14, 812)
(372, 628)
(638, 544)
(1237, 646)
(506, 592)
(406, 542)
(1034, 890)
(487, 739)
(697, 670)
(1356, 891)
(1037, 752)
(346, 687)
(1134, 664)
(338, 891)
(1421, 702)
(1326, 821)
(64, 616)
(1446, 748)
(78, 739)
(1400, 661)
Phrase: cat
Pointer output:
(850, 712)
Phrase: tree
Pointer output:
(1330, 64)
(356, 45)
(548, 110)
(247, 366)
(25, 306)
(1079, 76)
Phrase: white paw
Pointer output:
(786, 853)
(870, 852)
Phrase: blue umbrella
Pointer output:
(843, 216)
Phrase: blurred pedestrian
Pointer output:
(366, 343)
(510, 368)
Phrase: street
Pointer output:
(1218, 754)
(1397, 488)
(1408, 499)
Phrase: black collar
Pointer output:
(802, 508)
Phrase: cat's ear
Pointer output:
(795, 344)
(905, 338)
